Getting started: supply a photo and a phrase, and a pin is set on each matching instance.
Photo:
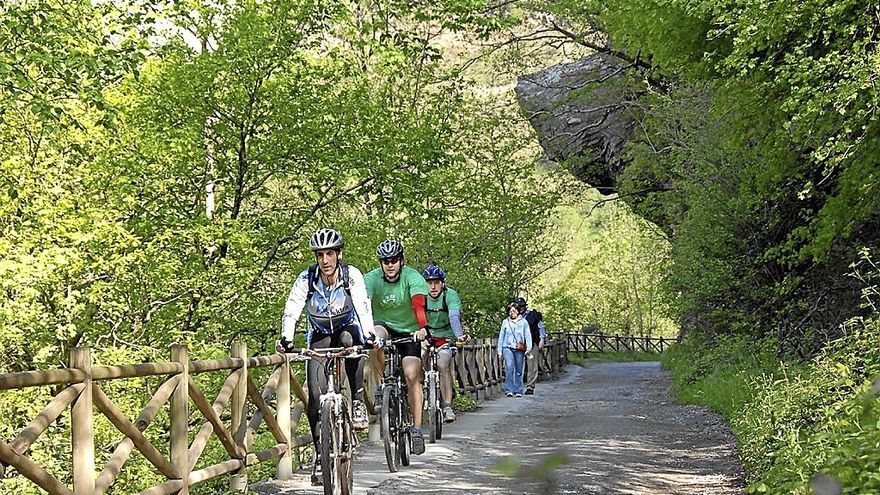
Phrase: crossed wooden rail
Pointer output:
(84, 393)
(583, 342)
(479, 372)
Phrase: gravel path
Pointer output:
(606, 428)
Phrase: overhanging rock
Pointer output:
(580, 113)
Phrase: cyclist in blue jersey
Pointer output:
(339, 314)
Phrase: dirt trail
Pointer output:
(613, 427)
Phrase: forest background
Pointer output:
(163, 163)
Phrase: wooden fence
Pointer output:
(84, 394)
(479, 372)
(583, 342)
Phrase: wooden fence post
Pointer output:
(487, 362)
(285, 465)
(469, 366)
(496, 369)
(554, 368)
(238, 482)
(180, 418)
(476, 363)
(461, 369)
(82, 427)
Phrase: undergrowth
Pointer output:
(796, 422)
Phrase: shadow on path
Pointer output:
(604, 429)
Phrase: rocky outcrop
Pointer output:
(580, 113)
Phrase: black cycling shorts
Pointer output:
(413, 349)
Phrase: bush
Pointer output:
(464, 403)
(794, 420)
(823, 417)
(717, 372)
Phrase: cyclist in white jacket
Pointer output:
(338, 313)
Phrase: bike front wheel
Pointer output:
(337, 445)
(345, 459)
(390, 426)
(328, 453)
(431, 408)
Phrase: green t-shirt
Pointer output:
(392, 303)
(438, 319)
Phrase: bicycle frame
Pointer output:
(337, 436)
(395, 416)
(433, 414)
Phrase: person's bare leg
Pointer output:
(377, 356)
(444, 365)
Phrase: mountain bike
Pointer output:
(433, 408)
(336, 430)
(396, 418)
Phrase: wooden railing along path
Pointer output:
(583, 342)
(84, 394)
(479, 372)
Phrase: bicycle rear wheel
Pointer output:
(404, 441)
(438, 420)
(390, 426)
(328, 453)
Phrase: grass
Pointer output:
(463, 403)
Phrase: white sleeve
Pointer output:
(293, 308)
(361, 302)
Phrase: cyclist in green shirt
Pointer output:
(444, 324)
(397, 294)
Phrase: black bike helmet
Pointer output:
(520, 303)
(389, 248)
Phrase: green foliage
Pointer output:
(614, 276)
(164, 163)
(793, 420)
(464, 403)
(181, 215)
(513, 467)
(718, 372)
(824, 417)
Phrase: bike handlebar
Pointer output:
(354, 351)
(398, 340)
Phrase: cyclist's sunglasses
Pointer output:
(390, 261)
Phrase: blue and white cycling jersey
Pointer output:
(330, 308)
